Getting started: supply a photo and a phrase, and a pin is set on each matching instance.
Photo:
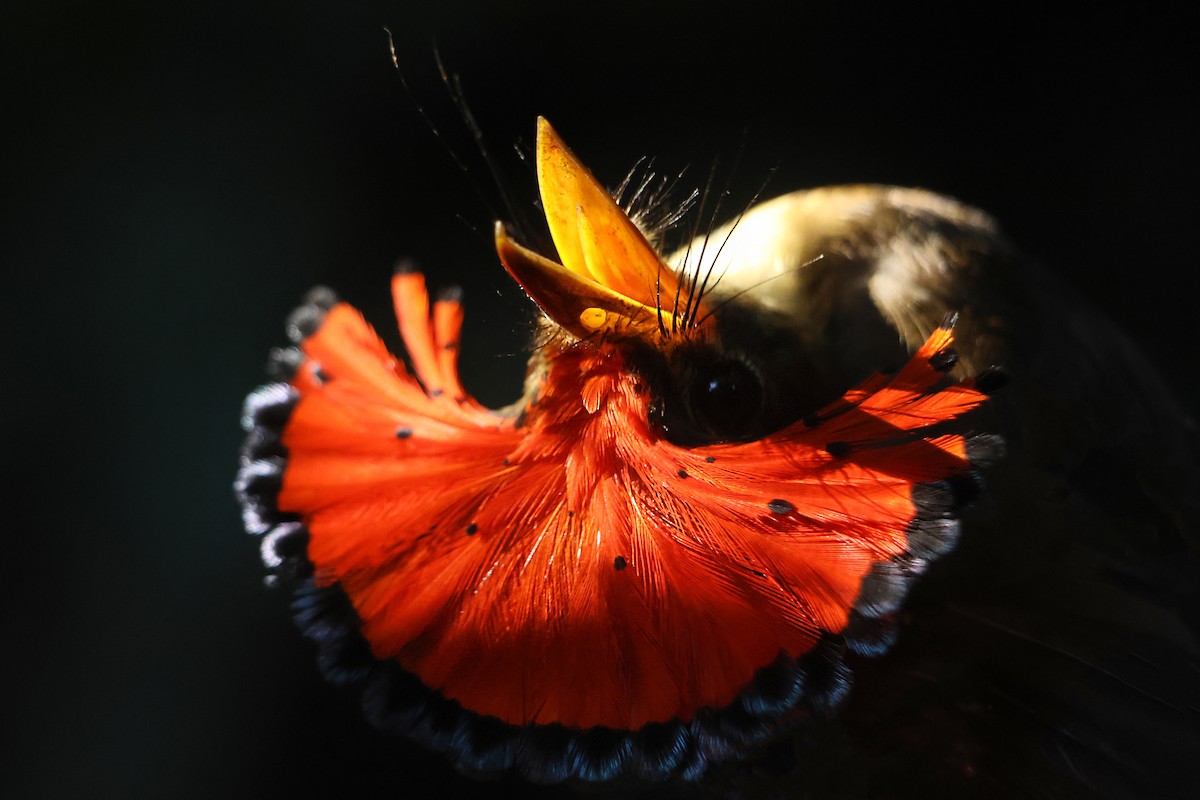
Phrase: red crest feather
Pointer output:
(576, 567)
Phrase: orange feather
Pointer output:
(578, 568)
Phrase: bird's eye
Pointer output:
(727, 398)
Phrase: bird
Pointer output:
(847, 497)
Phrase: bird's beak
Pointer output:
(610, 281)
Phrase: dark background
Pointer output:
(179, 174)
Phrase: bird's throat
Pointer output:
(587, 411)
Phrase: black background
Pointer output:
(179, 174)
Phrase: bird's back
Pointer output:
(1054, 653)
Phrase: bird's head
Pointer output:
(713, 366)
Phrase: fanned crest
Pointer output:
(565, 591)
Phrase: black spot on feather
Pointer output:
(838, 449)
(944, 360)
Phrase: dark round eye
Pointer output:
(727, 399)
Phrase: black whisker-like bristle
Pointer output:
(453, 84)
(727, 191)
(727, 300)
(692, 279)
(729, 235)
